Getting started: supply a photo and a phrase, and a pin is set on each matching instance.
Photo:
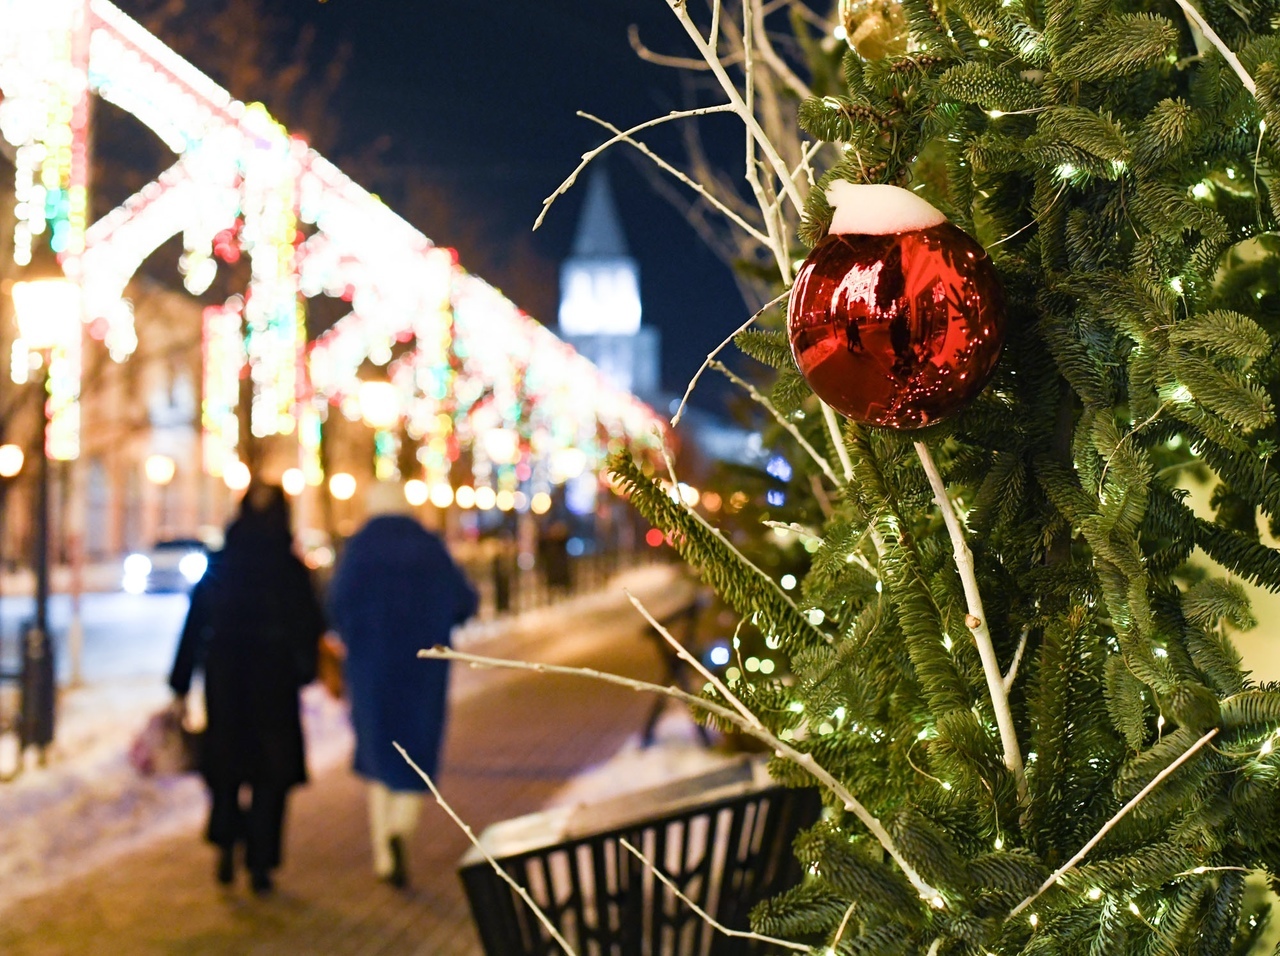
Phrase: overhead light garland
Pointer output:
(466, 363)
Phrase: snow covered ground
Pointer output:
(88, 806)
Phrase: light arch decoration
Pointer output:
(472, 368)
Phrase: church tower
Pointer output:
(600, 297)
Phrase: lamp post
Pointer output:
(47, 310)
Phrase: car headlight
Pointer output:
(193, 566)
(137, 566)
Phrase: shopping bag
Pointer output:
(329, 666)
(165, 746)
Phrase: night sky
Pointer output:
(478, 100)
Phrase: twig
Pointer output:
(837, 440)
(724, 208)
(934, 947)
(668, 461)
(769, 208)
(684, 655)
(676, 62)
(781, 419)
(777, 63)
(703, 914)
(625, 136)
(1106, 464)
(1010, 677)
(796, 529)
(1034, 219)
(976, 621)
(846, 463)
(1233, 61)
(675, 419)
(680, 9)
(475, 842)
(821, 496)
(804, 165)
(752, 727)
(844, 924)
(1106, 827)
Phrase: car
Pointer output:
(174, 565)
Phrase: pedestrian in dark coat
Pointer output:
(253, 628)
(396, 591)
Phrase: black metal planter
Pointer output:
(723, 838)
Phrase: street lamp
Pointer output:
(47, 309)
(379, 404)
(160, 470)
(11, 459)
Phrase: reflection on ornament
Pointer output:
(899, 329)
(875, 28)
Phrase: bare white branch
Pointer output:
(675, 420)
(781, 419)
(976, 621)
(1010, 677)
(844, 924)
(703, 914)
(820, 494)
(804, 166)
(776, 63)
(475, 842)
(626, 136)
(1233, 61)
(680, 9)
(837, 440)
(794, 528)
(668, 461)
(692, 661)
(1106, 827)
(676, 62)
(752, 727)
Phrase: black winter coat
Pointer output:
(253, 629)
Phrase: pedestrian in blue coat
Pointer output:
(396, 591)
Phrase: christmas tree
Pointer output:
(1007, 675)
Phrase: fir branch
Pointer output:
(1106, 828)
(1122, 44)
(771, 348)
(703, 545)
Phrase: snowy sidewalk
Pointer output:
(98, 861)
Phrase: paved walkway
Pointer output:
(512, 742)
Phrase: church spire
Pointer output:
(599, 282)
(599, 234)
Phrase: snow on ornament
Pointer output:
(897, 316)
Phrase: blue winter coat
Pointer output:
(396, 591)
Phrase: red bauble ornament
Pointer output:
(892, 326)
